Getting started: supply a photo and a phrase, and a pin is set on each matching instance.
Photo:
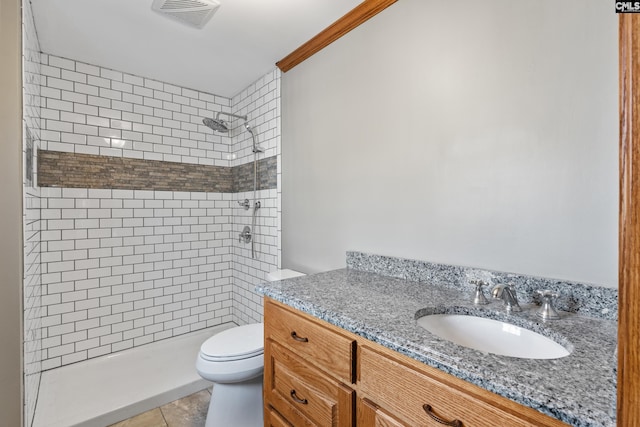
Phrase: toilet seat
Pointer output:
(242, 342)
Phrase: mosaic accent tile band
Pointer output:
(243, 175)
(75, 170)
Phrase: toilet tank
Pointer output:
(283, 274)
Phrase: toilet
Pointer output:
(233, 360)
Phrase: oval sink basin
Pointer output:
(492, 336)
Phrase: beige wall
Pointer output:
(480, 133)
(10, 214)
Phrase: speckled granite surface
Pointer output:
(581, 298)
(579, 389)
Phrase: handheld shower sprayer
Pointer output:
(256, 147)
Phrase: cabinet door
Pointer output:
(304, 395)
(371, 416)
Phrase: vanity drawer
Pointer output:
(273, 419)
(304, 395)
(406, 392)
(369, 415)
(320, 344)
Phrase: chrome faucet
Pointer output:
(508, 295)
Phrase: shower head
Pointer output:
(215, 124)
(218, 124)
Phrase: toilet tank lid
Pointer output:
(246, 340)
(283, 274)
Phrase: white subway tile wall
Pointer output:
(31, 214)
(94, 110)
(122, 268)
(248, 271)
(260, 101)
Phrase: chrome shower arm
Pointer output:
(230, 115)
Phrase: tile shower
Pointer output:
(134, 242)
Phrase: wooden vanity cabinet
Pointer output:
(309, 370)
(317, 374)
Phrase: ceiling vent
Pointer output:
(194, 13)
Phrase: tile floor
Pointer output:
(190, 411)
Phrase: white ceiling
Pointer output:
(242, 41)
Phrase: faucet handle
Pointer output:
(547, 311)
(479, 298)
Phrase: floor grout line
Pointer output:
(163, 417)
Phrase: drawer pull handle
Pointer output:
(295, 397)
(298, 338)
(455, 423)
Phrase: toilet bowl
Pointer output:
(234, 361)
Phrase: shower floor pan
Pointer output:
(102, 391)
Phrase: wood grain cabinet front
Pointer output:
(304, 395)
(370, 415)
(273, 419)
(310, 379)
(318, 344)
(425, 396)
(308, 369)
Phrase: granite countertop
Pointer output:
(579, 389)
